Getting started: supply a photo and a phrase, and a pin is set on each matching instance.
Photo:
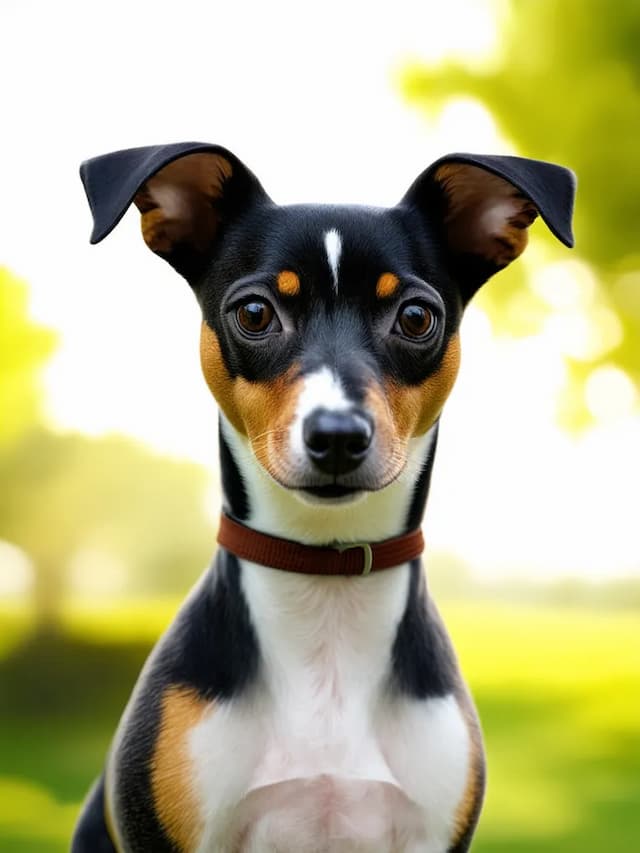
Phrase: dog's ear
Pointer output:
(482, 207)
(186, 192)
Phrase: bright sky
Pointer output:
(306, 95)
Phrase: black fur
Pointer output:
(423, 662)
(421, 490)
(212, 647)
(349, 329)
(257, 239)
(91, 834)
(234, 493)
(550, 187)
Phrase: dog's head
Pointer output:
(329, 334)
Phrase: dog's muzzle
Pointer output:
(337, 442)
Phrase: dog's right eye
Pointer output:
(415, 321)
(255, 317)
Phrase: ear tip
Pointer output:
(556, 205)
(102, 229)
(110, 181)
(84, 177)
(569, 181)
(562, 230)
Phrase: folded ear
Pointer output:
(185, 192)
(482, 207)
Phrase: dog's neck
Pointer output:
(314, 629)
(253, 497)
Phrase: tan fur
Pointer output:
(387, 285)
(473, 790)
(465, 810)
(171, 770)
(414, 408)
(402, 412)
(288, 283)
(485, 215)
(262, 411)
(178, 203)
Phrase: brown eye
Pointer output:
(415, 320)
(254, 317)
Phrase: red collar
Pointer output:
(359, 558)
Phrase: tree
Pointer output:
(65, 495)
(566, 87)
(24, 349)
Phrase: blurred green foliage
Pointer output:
(96, 503)
(565, 87)
(103, 503)
(24, 348)
(558, 691)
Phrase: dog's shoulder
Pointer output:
(206, 658)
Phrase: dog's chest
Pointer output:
(321, 758)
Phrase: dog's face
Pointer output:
(328, 344)
(329, 334)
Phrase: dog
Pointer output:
(307, 697)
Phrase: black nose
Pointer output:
(337, 442)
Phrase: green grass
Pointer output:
(558, 692)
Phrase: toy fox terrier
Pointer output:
(307, 699)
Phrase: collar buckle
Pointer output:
(367, 554)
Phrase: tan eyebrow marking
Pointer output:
(387, 285)
(288, 283)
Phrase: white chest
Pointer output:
(321, 760)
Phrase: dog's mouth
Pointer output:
(313, 487)
(336, 492)
(331, 492)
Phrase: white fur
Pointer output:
(320, 758)
(280, 512)
(173, 200)
(320, 389)
(333, 246)
(495, 212)
(429, 746)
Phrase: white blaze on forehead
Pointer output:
(333, 245)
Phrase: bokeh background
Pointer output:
(108, 473)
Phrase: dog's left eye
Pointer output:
(255, 317)
(415, 321)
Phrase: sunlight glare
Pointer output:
(318, 119)
(581, 325)
(466, 123)
(627, 293)
(499, 445)
(564, 285)
(16, 571)
(437, 34)
(95, 573)
(610, 393)
(584, 336)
